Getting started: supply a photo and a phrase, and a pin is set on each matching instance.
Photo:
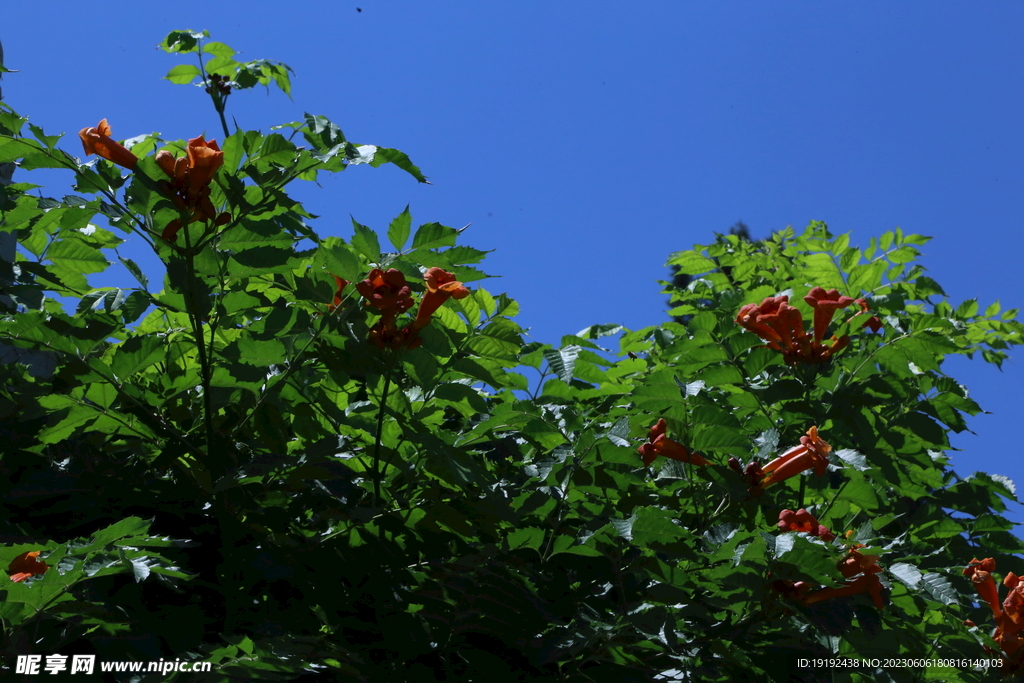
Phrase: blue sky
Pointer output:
(585, 142)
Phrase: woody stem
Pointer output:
(223, 122)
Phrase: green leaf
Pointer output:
(655, 526)
(183, 41)
(365, 240)
(530, 537)
(619, 433)
(338, 259)
(76, 256)
(939, 587)
(691, 263)
(136, 272)
(853, 459)
(218, 49)
(183, 73)
(563, 361)
(908, 574)
(398, 231)
(136, 354)
(434, 235)
(384, 155)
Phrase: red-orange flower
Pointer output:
(980, 574)
(812, 452)
(98, 141)
(26, 565)
(204, 158)
(803, 521)
(659, 444)
(441, 285)
(782, 326)
(873, 322)
(825, 304)
(386, 291)
(1008, 633)
(189, 185)
(773, 320)
(342, 284)
(865, 568)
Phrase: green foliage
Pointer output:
(415, 513)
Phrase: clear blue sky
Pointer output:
(585, 142)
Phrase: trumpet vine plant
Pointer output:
(326, 457)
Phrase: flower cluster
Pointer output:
(1009, 614)
(189, 185)
(811, 453)
(388, 292)
(97, 141)
(803, 521)
(659, 444)
(782, 325)
(26, 565)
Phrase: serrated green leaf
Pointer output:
(908, 574)
(398, 231)
(365, 240)
(563, 361)
(940, 588)
(434, 235)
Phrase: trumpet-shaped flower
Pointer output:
(773, 320)
(97, 141)
(825, 304)
(189, 184)
(25, 565)
(659, 444)
(811, 453)
(386, 291)
(803, 521)
(441, 285)
(980, 574)
(862, 569)
(1009, 615)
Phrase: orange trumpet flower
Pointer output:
(980, 574)
(825, 304)
(189, 185)
(659, 444)
(97, 141)
(25, 565)
(441, 285)
(812, 452)
(865, 568)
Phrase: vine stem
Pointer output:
(197, 330)
(218, 99)
(375, 463)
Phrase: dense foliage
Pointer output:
(322, 457)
